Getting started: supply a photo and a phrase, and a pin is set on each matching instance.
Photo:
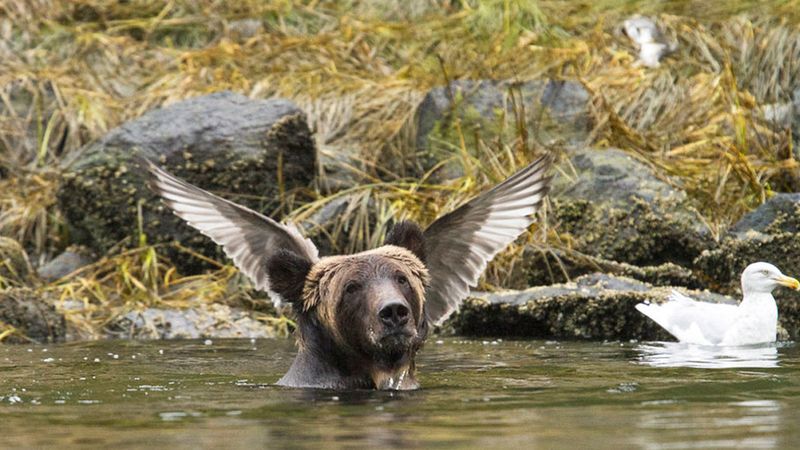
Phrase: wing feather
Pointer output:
(247, 237)
(460, 244)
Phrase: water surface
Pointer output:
(476, 394)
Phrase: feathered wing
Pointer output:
(460, 244)
(247, 237)
(691, 321)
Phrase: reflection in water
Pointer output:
(676, 354)
(747, 424)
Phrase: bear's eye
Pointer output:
(352, 287)
(402, 279)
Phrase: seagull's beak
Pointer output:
(789, 282)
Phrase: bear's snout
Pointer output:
(394, 314)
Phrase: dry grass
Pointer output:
(70, 71)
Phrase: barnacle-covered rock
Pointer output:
(259, 150)
(614, 207)
(595, 306)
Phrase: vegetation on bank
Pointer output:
(72, 70)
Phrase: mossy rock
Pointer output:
(770, 233)
(641, 234)
(251, 151)
(31, 316)
(595, 307)
(614, 207)
(557, 266)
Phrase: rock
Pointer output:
(558, 266)
(205, 321)
(769, 233)
(244, 29)
(596, 306)
(339, 168)
(65, 264)
(223, 142)
(615, 208)
(568, 102)
(31, 316)
(554, 109)
(781, 213)
(612, 176)
(15, 269)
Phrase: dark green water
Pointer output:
(476, 394)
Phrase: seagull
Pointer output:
(753, 321)
(651, 42)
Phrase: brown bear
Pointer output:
(362, 318)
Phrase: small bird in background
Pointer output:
(651, 42)
(753, 321)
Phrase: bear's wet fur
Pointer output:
(360, 318)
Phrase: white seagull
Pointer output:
(753, 321)
(652, 44)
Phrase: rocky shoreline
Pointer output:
(632, 236)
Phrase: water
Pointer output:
(476, 394)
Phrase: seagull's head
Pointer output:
(762, 278)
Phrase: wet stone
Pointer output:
(769, 233)
(205, 321)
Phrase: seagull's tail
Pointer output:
(661, 314)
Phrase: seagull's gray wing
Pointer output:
(460, 244)
(248, 238)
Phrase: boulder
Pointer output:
(30, 316)
(615, 207)
(251, 151)
(559, 266)
(556, 110)
(64, 264)
(769, 233)
(595, 306)
(205, 321)
(779, 214)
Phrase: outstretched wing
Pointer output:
(460, 244)
(248, 238)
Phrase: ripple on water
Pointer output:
(475, 394)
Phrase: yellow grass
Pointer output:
(71, 70)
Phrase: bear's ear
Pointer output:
(287, 274)
(408, 235)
